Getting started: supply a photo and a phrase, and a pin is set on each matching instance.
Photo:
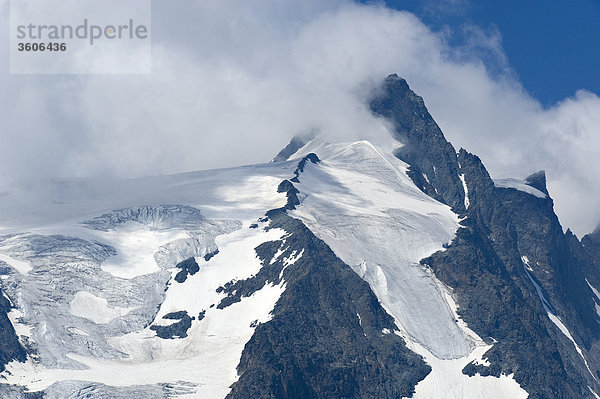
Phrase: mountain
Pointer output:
(342, 269)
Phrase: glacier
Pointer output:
(91, 268)
(360, 201)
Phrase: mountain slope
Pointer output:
(343, 269)
(329, 336)
(516, 280)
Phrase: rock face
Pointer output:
(176, 330)
(188, 266)
(329, 336)
(432, 160)
(589, 254)
(295, 144)
(10, 347)
(516, 275)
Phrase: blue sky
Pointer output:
(553, 46)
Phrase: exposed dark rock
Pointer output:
(201, 315)
(287, 187)
(326, 337)
(295, 144)
(312, 157)
(188, 266)
(425, 149)
(178, 329)
(175, 315)
(538, 180)
(483, 264)
(224, 287)
(590, 257)
(10, 348)
(210, 255)
(302, 164)
(228, 300)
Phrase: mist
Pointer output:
(233, 81)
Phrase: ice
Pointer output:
(238, 193)
(19, 265)
(94, 308)
(78, 331)
(107, 278)
(519, 185)
(360, 201)
(363, 205)
(447, 381)
(136, 245)
(98, 286)
(206, 358)
(95, 288)
(465, 189)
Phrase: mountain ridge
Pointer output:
(351, 269)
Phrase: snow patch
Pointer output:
(363, 205)
(360, 201)
(96, 309)
(19, 265)
(279, 252)
(525, 261)
(136, 245)
(293, 258)
(519, 185)
(595, 291)
(465, 189)
(447, 381)
(597, 294)
(556, 320)
(21, 329)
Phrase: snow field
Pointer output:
(360, 201)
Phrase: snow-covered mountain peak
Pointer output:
(391, 267)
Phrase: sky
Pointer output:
(553, 46)
(233, 81)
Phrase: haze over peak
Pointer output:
(223, 94)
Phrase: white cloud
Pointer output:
(233, 81)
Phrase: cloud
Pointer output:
(232, 82)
